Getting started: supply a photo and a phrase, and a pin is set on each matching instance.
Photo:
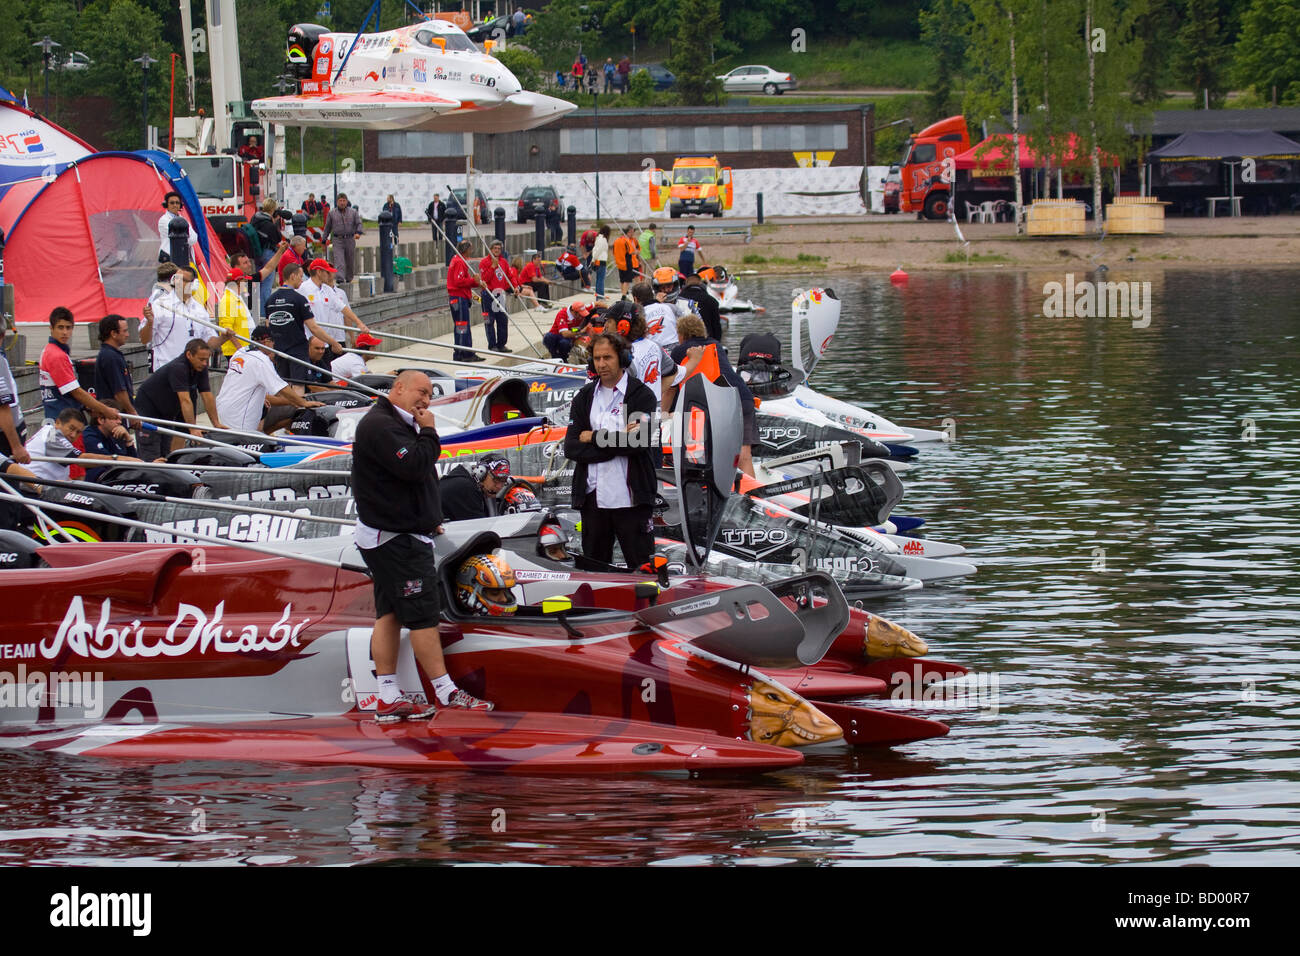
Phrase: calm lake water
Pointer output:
(1130, 495)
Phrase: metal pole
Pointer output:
(595, 99)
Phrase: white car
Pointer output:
(752, 79)
(76, 61)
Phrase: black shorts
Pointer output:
(405, 581)
(626, 275)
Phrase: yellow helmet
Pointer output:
(481, 575)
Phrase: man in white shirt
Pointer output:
(249, 380)
(174, 206)
(614, 481)
(172, 317)
(350, 364)
(56, 440)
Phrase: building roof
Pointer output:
(1176, 122)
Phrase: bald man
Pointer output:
(398, 513)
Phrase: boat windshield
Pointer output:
(693, 175)
(455, 41)
(213, 177)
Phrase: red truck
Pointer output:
(927, 178)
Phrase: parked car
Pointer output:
(505, 23)
(457, 203)
(537, 201)
(660, 74)
(893, 187)
(76, 61)
(752, 79)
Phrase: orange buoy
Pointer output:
(898, 276)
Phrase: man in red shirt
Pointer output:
(588, 242)
(531, 275)
(58, 379)
(497, 279)
(297, 252)
(461, 282)
(569, 322)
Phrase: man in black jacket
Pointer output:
(610, 438)
(705, 304)
(468, 491)
(398, 508)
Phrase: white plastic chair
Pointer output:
(972, 211)
(986, 212)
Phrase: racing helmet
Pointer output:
(483, 586)
(668, 280)
(553, 541)
(520, 498)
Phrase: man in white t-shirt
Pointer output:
(660, 316)
(57, 440)
(350, 364)
(172, 318)
(250, 382)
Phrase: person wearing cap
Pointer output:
(469, 490)
(497, 279)
(251, 382)
(350, 364)
(290, 317)
(568, 325)
(173, 207)
(340, 308)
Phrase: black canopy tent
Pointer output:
(1197, 158)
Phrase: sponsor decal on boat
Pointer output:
(192, 630)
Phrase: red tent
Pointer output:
(88, 238)
(990, 157)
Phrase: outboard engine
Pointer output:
(315, 422)
(302, 48)
(380, 383)
(18, 551)
(342, 398)
(155, 481)
(90, 497)
(211, 456)
(760, 366)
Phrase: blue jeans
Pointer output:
(462, 334)
(600, 279)
(495, 321)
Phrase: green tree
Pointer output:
(1202, 51)
(524, 64)
(113, 34)
(1268, 50)
(1152, 29)
(640, 90)
(944, 29)
(697, 22)
(556, 35)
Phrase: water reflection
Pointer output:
(1137, 596)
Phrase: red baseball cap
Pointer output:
(237, 274)
(321, 264)
(366, 340)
